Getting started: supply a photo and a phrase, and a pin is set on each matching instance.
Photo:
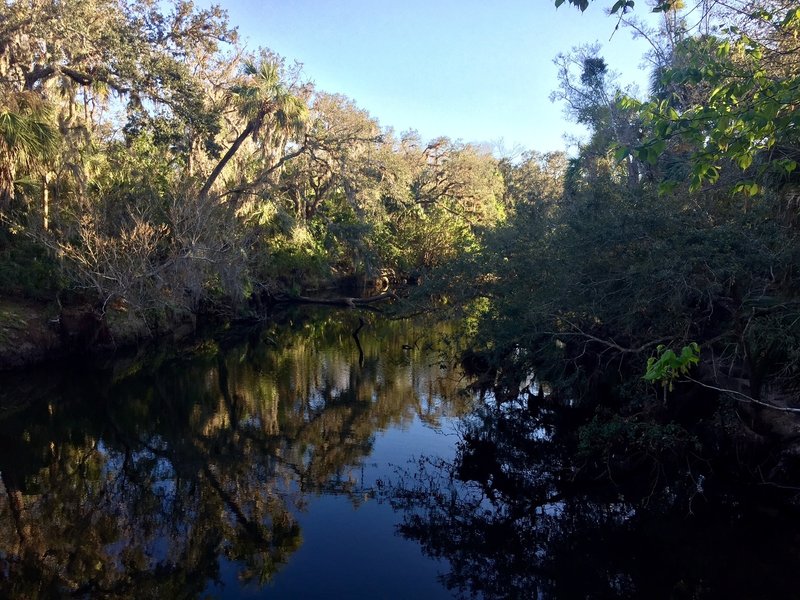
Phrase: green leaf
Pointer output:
(666, 366)
(667, 187)
(716, 91)
(792, 18)
(621, 154)
(741, 188)
(788, 166)
(744, 161)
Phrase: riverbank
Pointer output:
(27, 333)
(34, 332)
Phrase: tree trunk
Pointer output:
(46, 202)
(7, 176)
(224, 160)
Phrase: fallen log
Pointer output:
(342, 301)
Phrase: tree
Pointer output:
(745, 84)
(27, 135)
(534, 178)
(271, 108)
(590, 93)
(747, 117)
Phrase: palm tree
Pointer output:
(270, 108)
(27, 135)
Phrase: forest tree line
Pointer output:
(150, 162)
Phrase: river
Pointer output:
(294, 460)
(241, 467)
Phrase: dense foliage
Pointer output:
(651, 285)
(150, 162)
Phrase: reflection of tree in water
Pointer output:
(512, 522)
(139, 487)
(110, 500)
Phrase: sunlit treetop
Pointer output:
(724, 98)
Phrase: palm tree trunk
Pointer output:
(224, 160)
(46, 202)
(7, 176)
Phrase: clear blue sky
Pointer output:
(479, 71)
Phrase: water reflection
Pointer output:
(511, 520)
(141, 480)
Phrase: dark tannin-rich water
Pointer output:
(297, 461)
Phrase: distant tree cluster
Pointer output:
(148, 160)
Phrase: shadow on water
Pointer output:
(512, 522)
(139, 479)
